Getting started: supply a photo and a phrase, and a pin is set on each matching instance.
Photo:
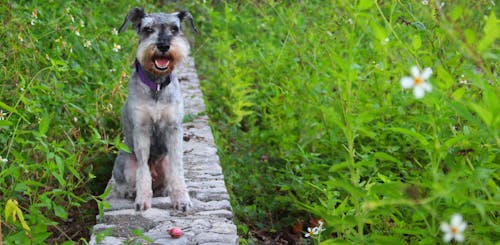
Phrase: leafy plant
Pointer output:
(328, 132)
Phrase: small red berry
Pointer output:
(175, 232)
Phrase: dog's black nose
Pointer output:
(163, 47)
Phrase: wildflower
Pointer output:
(77, 32)
(75, 119)
(87, 43)
(82, 24)
(34, 17)
(312, 231)
(418, 81)
(20, 37)
(116, 47)
(320, 226)
(425, 2)
(463, 80)
(72, 18)
(455, 229)
(3, 160)
(2, 115)
(47, 57)
(68, 9)
(114, 31)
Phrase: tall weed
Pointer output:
(328, 132)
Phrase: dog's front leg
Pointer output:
(175, 168)
(142, 138)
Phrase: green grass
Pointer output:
(312, 122)
(305, 103)
(63, 82)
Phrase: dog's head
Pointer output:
(162, 43)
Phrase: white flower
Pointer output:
(77, 32)
(418, 81)
(425, 2)
(72, 18)
(3, 160)
(116, 47)
(312, 231)
(463, 80)
(114, 31)
(87, 43)
(455, 229)
(82, 24)
(2, 115)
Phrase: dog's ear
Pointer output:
(183, 15)
(135, 16)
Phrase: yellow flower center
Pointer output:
(418, 80)
(454, 230)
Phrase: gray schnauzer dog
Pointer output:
(152, 115)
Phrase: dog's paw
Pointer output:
(143, 201)
(181, 200)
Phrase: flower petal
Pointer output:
(415, 72)
(418, 92)
(447, 237)
(459, 237)
(456, 220)
(445, 227)
(462, 227)
(427, 86)
(407, 82)
(426, 73)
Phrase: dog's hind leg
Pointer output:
(124, 173)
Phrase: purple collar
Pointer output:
(154, 86)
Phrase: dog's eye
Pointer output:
(148, 30)
(174, 29)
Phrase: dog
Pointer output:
(153, 113)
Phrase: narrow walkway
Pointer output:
(210, 220)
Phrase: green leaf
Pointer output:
(416, 42)
(411, 134)
(44, 125)
(365, 4)
(12, 109)
(457, 12)
(483, 113)
(379, 32)
(458, 94)
(491, 32)
(60, 211)
(385, 157)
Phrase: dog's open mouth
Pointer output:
(161, 62)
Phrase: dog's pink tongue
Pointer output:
(161, 62)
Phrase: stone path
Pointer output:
(210, 220)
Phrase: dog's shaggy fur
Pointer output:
(152, 115)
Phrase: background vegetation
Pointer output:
(312, 122)
(305, 103)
